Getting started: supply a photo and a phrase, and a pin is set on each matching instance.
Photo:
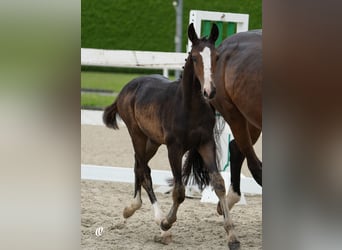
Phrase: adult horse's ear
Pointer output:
(192, 34)
(214, 33)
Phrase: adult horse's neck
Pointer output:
(190, 85)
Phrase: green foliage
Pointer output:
(149, 24)
(96, 101)
(105, 80)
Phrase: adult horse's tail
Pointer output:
(194, 169)
(109, 116)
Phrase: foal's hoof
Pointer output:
(234, 245)
(165, 225)
(219, 210)
(165, 238)
(127, 212)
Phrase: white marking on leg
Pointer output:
(233, 197)
(135, 205)
(158, 214)
(206, 59)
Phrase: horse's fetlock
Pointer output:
(165, 225)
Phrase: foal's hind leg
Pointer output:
(144, 151)
(207, 152)
(151, 149)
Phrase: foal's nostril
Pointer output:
(205, 94)
(212, 93)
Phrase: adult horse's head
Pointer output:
(204, 56)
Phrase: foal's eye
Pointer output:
(194, 58)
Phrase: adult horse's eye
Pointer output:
(194, 58)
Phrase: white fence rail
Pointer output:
(133, 59)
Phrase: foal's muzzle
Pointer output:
(211, 94)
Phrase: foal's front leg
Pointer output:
(178, 194)
(207, 151)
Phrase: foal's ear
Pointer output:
(192, 34)
(214, 33)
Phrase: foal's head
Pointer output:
(204, 56)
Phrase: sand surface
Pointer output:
(198, 225)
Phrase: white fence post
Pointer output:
(166, 72)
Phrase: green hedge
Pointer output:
(149, 24)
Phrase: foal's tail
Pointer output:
(194, 169)
(109, 116)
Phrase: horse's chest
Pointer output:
(201, 130)
(195, 135)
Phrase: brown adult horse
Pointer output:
(238, 97)
(178, 114)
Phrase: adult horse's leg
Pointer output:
(207, 151)
(241, 131)
(236, 160)
(178, 194)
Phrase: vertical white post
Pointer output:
(166, 72)
(242, 26)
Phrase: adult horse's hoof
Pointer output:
(234, 245)
(165, 225)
